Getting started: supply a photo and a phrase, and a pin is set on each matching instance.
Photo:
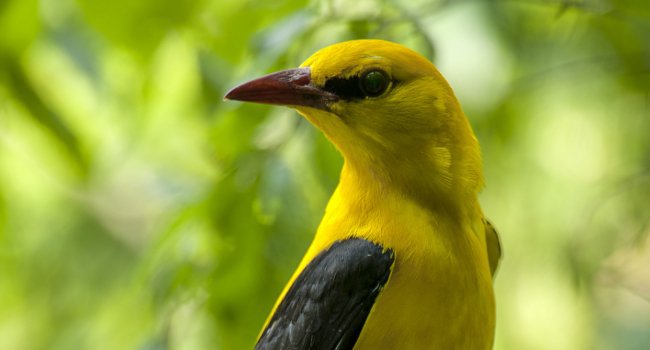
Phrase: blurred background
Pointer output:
(138, 210)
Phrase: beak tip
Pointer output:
(237, 94)
(229, 95)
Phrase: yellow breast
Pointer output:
(439, 295)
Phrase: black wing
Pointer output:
(328, 303)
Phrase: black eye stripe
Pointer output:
(345, 89)
(348, 88)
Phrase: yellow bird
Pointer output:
(403, 258)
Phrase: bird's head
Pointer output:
(386, 108)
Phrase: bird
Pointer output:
(404, 257)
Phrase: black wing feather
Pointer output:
(327, 305)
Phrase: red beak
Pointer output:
(291, 87)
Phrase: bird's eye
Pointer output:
(374, 83)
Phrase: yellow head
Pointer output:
(387, 109)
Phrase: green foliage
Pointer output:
(140, 211)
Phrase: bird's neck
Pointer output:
(436, 176)
(369, 187)
(367, 204)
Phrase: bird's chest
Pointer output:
(439, 295)
(431, 305)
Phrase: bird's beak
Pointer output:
(291, 87)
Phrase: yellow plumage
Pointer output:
(409, 183)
